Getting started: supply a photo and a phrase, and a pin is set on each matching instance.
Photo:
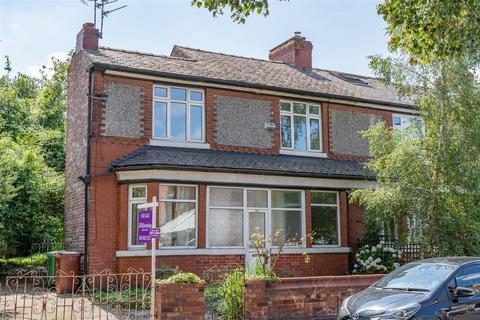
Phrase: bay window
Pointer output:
(300, 126)
(177, 215)
(325, 217)
(235, 214)
(178, 114)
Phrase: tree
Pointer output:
(433, 29)
(240, 9)
(32, 149)
(428, 179)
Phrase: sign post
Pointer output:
(147, 232)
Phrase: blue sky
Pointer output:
(343, 32)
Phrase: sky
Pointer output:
(343, 32)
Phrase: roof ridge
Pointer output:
(230, 55)
(147, 53)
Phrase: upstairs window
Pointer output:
(409, 125)
(301, 126)
(178, 114)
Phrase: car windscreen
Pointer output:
(416, 277)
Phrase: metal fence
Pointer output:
(97, 296)
(410, 251)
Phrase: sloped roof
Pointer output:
(226, 161)
(195, 64)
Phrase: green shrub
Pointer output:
(214, 297)
(136, 299)
(38, 259)
(377, 259)
(261, 272)
(183, 277)
(232, 308)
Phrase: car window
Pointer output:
(417, 276)
(469, 277)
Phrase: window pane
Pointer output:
(284, 106)
(160, 120)
(324, 197)
(314, 134)
(225, 228)
(134, 230)
(314, 110)
(226, 197)
(177, 222)
(196, 96)
(286, 199)
(196, 123)
(288, 225)
(324, 225)
(257, 198)
(256, 227)
(397, 121)
(178, 120)
(300, 108)
(286, 123)
(300, 132)
(160, 92)
(177, 192)
(139, 192)
(178, 94)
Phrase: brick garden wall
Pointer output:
(304, 298)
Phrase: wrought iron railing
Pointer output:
(99, 296)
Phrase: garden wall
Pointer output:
(305, 298)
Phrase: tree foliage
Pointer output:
(240, 9)
(32, 143)
(428, 179)
(433, 29)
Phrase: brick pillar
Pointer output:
(180, 301)
(255, 304)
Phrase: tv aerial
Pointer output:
(100, 8)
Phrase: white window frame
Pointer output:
(131, 202)
(307, 116)
(189, 103)
(245, 209)
(339, 234)
(180, 200)
(403, 117)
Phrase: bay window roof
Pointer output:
(151, 157)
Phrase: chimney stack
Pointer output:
(88, 37)
(296, 51)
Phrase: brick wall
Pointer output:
(304, 298)
(180, 301)
(320, 264)
(198, 264)
(76, 152)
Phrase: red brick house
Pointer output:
(229, 145)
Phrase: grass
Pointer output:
(134, 299)
(38, 259)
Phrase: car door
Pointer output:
(465, 308)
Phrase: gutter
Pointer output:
(105, 67)
(251, 171)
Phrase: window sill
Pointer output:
(179, 144)
(239, 251)
(303, 153)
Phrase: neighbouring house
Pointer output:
(229, 145)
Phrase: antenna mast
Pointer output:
(99, 7)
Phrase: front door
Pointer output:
(257, 234)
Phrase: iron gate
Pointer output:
(98, 296)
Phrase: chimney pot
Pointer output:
(296, 51)
(87, 37)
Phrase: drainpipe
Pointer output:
(87, 178)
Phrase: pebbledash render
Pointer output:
(229, 145)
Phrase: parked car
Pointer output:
(431, 289)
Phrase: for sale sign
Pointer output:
(155, 233)
(144, 226)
